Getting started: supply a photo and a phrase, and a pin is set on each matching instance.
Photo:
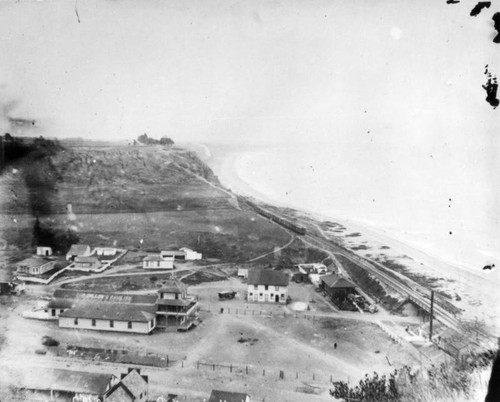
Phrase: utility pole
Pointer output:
(432, 315)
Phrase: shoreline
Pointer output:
(467, 288)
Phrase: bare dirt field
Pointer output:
(241, 352)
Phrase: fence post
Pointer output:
(314, 377)
(167, 361)
(263, 372)
(214, 366)
(231, 368)
(247, 370)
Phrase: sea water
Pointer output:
(442, 204)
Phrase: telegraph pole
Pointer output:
(432, 315)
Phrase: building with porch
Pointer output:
(68, 386)
(175, 307)
(267, 286)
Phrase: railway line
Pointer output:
(416, 293)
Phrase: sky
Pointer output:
(251, 71)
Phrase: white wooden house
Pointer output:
(35, 266)
(157, 262)
(190, 255)
(267, 286)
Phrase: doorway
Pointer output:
(277, 298)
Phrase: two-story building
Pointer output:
(267, 286)
(132, 387)
(175, 306)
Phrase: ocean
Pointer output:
(444, 206)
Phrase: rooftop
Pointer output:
(79, 249)
(336, 281)
(111, 311)
(89, 259)
(34, 262)
(172, 286)
(155, 257)
(105, 297)
(267, 277)
(70, 381)
(226, 396)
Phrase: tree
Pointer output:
(166, 141)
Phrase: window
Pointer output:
(76, 321)
(277, 288)
(111, 324)
(272, 295)
(251, 294)
(260, 294)
(53, 312)
(130, 325)
(93, 322)
(61, 311)
(267, 287)
(282, 295)
(255, 287)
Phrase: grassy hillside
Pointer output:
(150, 198)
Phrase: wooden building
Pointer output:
(267, 286)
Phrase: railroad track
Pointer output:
(416, 293)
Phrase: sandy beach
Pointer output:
(472, 290)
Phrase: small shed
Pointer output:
(78, 250)
(44, 251)
(157, 262)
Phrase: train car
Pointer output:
(278, 219)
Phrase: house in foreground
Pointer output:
(70, 386)
(35, 266)
(78, 250)
(157, 262)
(226, 396)
(132, 387)
(267, 286)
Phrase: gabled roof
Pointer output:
(336, 281)
(226, 396)
(155, 257)
(71, 381)
(105, 297)
(267, 277)
(111, 311)
(79, 249)
(175, 252)
(135, 383)
(89, 259)
(172, 286)
(34, 262)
